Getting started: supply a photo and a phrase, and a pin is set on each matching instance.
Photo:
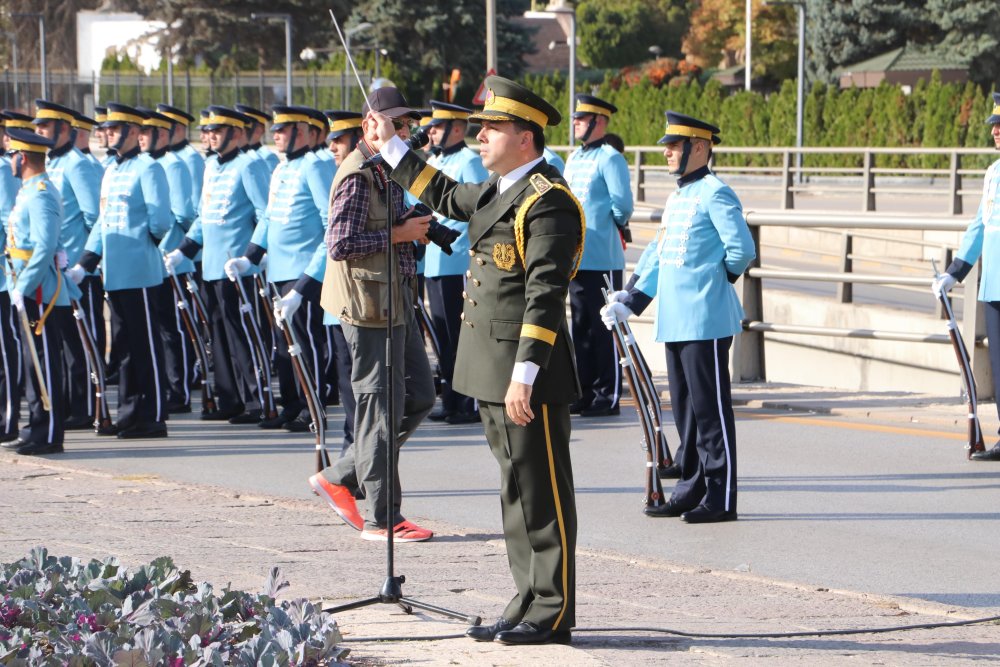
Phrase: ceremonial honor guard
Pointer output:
(101, 115)
(526, 234)
(255, 135)
(345, 132)
(135, 216)
(79, 184)
(178, 353)
(702, 247)
(599, 178)
(981, 241)
(84, 126)
(233, 203)
(38, 291)
(11, 366)
(444, 275)
(182, 148)
(291, 234)
(553, 158)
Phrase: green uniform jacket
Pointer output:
(515, 310)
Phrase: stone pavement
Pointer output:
(225, 537)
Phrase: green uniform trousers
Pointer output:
(539, 512)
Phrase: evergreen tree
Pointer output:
(969, 28)
(616, 33)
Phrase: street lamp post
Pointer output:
(347, 41)
(287, 18)
(800, 96)
(554, 12)
(41, 47)
(749, 29)
(17, 73)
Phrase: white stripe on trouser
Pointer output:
(722, 421)
(8, 415)
(312, 348)
(48, 380)
(152, 356)
(184, 356)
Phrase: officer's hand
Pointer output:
(287, 306)
(618, 296)
(383, 128)
(61, 260)
(76, 274)
(943, 284)
(17, 299)
(614, 313)
(413, 229)
(172, 260)
(518, 403)
(236, 267)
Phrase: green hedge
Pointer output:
(933, 114)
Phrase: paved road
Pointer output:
(835, 502)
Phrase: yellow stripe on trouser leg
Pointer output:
(559, 517)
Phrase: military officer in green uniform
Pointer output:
(514, 353)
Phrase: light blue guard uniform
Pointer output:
(183, 149)
(553, 158)
(10, 341)
(257, 149)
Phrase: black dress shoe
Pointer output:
(670, 508)
(577, 407)
(486, 633)
(298, 425)
(221, 415)
(439, 415)
(14, 444)
(9, 437)
(702, 514)
(147, 430)
(245, 418)
(527, 632)
(275, 422)
(672, 471)
(462, 418)
(37, 448)
(989, 455)
(178, 408)
(110, 429)
(600, 411)
(78, 424)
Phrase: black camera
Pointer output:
(440, 235)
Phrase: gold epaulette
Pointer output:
(541, 186)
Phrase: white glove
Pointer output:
(61, 260)
(614, 313)
(172, 260)
(287, 306)
(17, 299)
(619, 296)
(263, 262)
(236, 267)
(76, 273)
(943, 284)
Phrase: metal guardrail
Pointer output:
(748, 352)
(865, 177)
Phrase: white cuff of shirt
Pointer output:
(393, 151)
(525, 372)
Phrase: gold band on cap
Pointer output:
(176, 117)
(19, 124)
(446, 114)
(156, 122)
(52, 114)
(518, 109)
(591, 108)
(16, 145)
(686, 131)
(996, 110)
(260, 118)
(341, 125)
(120, 117)
(280, 118)
(81, 124)
(217, 119)
(424, 122)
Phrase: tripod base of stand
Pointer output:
(392, 593)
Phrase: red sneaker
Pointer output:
(340, 499)
(405, 531)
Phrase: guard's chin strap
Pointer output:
(224, 148)
(355, 138)
(437, 148)
(292, 136)
(117, 147)
(685, 154)
(18, 165)
(590, 129)
(152, 141)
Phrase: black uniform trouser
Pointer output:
(92, 301)
(178, 353)
(142, 387)
(235, 379)
(44, 426)
(596, 357)
(76, 387)
(308, 324)
(992, 311)
(340, 355)
(539, 511)
(698, 374)
(11, 366)
(444, 296)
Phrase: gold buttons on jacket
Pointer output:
(472, 253)
(465, 295)
(480, 261)
(476, 282)
(468, 274)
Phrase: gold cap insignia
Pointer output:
(540, 183)
(504, 256)
(490, 96)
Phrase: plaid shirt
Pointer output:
(346, 237)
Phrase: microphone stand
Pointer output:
(392, 588)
